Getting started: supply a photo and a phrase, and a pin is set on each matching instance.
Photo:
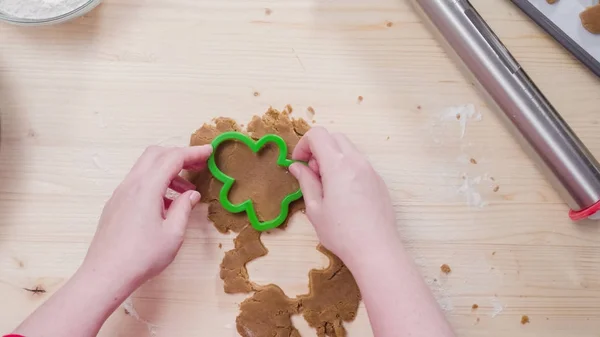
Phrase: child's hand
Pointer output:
(140, 232)
(350, 207)
(346, 200)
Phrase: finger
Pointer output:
(313, 165)
(193, 156)
(179, 212)
(165, 167)
(310, 184)
(196, 166)
(317, 143)
(149, 156)
(179, 184)
(174, 159)
(344, 143)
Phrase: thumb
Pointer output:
(310, 184)
(179, 211)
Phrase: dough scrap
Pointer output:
(332, 299)
(590, 18)
(247, 247)
(267, 313)
(333, 296)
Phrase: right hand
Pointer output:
(346, 200)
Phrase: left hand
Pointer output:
(140, 231)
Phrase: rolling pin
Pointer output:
(566, 162)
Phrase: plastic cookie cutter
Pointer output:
(247, 205)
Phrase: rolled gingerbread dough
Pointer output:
(333, 294)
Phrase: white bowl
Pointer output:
(77, 12)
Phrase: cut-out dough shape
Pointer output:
(247, 205)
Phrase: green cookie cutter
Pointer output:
(247, 206)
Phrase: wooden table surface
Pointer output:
(80, 101)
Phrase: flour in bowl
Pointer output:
(38, 9)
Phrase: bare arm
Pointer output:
(79, 308)
(399, 303)
(138, 236)
(350, 208)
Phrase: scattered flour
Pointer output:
(39, 9)
(444, 123)
(462, 114)
(471, 186)
(101, 120)
(97, 162)
(463, 159)
(248, 332)
(440, 294)
(469, 189)
(128, 306)
(498, 307)
(445, 303)
(452, 119)
(130, 309)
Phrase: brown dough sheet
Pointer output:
(258, 177)
(333, 296)
(267, 313)
(247, 247)
(590, 18)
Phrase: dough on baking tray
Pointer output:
(591, 19)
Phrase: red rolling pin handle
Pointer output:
(586, 213)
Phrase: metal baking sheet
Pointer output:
(561, 20)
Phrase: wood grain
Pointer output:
(80, 101)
